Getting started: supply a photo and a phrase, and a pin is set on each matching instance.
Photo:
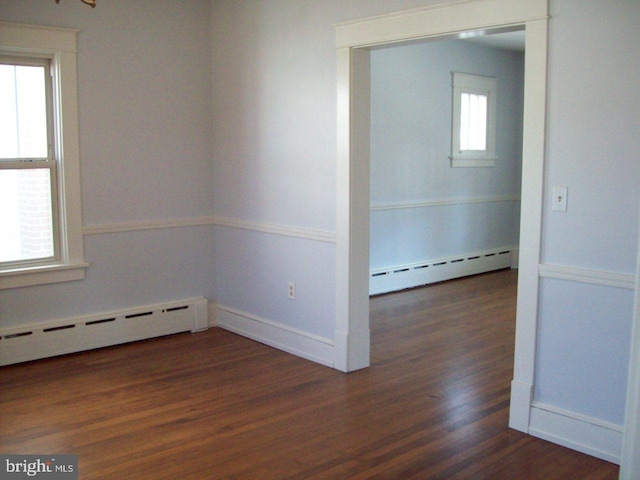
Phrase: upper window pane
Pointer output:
(23, 112)
(473, 122)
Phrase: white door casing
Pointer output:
(449, 20)
(630, 459)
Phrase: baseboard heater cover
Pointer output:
(401, 277)
(25, 343)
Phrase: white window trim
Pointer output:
(479, 85)
(61, 45)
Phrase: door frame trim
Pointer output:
(450, 20)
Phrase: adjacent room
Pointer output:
(435, 216)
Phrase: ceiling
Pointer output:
(508, 41)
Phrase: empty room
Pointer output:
(197, 202)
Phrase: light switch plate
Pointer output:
(559, 202)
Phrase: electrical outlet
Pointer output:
(292, 291)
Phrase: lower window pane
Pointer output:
(26, 221)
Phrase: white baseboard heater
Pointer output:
(31, 342)
(417, 274)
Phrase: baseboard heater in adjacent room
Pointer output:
(31, 342)
(412, 275)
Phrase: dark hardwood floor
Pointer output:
(213, 405)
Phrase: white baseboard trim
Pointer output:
(519, 409)
(515, 257)
(311, 347)
(578, 432)
(212, 317)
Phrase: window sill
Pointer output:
(473, 162)
(41, 275)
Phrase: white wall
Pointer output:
(274, 143)
(593, 146)
(410, 148)
(145, 145)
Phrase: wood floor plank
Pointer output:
(213, 405)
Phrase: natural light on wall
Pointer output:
(25, 193)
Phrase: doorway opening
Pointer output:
(354, 41)
(432, 219)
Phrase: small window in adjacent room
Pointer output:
(40, 216)
(474, 121)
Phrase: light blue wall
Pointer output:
(583, 348)
(144, 94)
(254, 269)
(593, 141)
(413, 235)
(410, 148)
(126, 269)
(592, 148)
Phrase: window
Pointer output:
(40, 222)
(474, 117)
(27, 168)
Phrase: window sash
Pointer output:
(46, 149)
(38, 163)
(60, 45)
(473, 149)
